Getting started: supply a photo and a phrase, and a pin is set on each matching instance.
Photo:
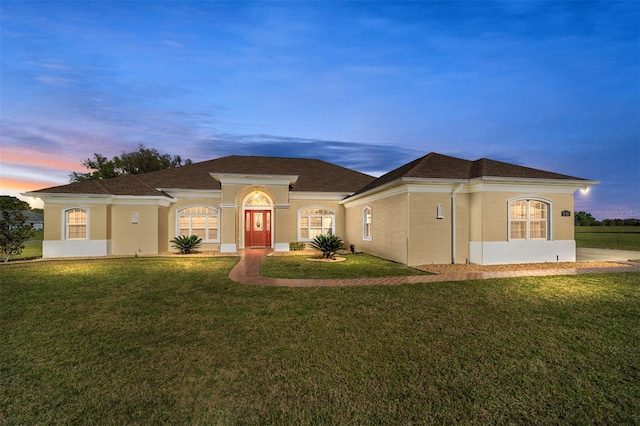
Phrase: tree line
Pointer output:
(586, 219)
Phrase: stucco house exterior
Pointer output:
(436, 209)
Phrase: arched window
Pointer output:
(199, 220)
(75, 224)
(529, 219)
(315, 221)
(257, 199)
(367, 223)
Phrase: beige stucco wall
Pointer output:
(163, 229)
(98, 219)
(131, 238)
(430, 238)
(406, 228)
(389, 228)
(490, 214)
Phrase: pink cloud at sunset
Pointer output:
(31, 158)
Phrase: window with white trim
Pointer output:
(529, 219)
(315, 221)
(75, 224)
(367, 223)
(199, 220)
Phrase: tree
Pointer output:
(584, 219)
(14, 229)
(7, 202)
(128, 163)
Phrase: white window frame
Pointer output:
(368, 237)
(301, 214)
(65, 223)
(528, 220)
(216, 214)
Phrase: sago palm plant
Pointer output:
(186, 243)
(327, 244)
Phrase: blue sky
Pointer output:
(369, 85)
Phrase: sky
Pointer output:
(369, 85)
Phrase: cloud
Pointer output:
(172, 43)
(368, 158)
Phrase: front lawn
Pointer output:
(173, 340)
(609, 237)
(359, 265)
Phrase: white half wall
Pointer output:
(281, 247)
(228, 248)
(76, 248)
(505, 252)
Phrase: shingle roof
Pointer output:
(313, 175)
(438, 166)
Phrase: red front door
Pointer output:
(257, 228)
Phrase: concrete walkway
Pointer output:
(591, 254)
(247, 271)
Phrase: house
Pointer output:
(32, 218)
(436, 209)
(35, 219)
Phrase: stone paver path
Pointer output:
(247, 271)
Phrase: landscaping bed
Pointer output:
(470, 267)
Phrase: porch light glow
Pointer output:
(584, 189)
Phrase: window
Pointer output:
(315, 221)
(201, 221)
(257, 199)
(529, 220)
(76, 224)
(367, 224)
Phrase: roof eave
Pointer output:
(248, 177)
(405, 181)
(545, 181)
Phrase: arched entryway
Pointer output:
(257, 220)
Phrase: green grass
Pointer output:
(146, 341)
(610, 237)
(356, 266)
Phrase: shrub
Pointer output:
(327, 244)
(295, 246)
(186, 243)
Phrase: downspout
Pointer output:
(453, 222)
